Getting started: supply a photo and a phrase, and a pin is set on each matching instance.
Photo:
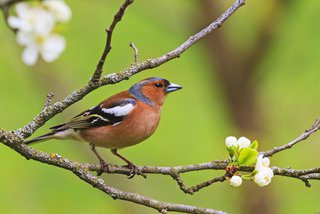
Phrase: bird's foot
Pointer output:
(104, 167)
(134, 170)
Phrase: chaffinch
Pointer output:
(122, 120)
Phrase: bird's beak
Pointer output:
(172, 87)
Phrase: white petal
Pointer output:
(52, 47)
(259, 163)
(268, 171)
(231, 141)
(30, 55)
(43, 21)
(14, 22)
(19, 23)
(244, 142)
(265, 162)
(60, 9)
(25, 39)
(22, 8)
(264, 176)
(262, 162)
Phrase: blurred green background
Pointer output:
(257, 76)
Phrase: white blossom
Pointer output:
(235, 181)
(35, 29)
(32, 19)
(265, 173)
(264, 176)
(48, 46)
(231, 141)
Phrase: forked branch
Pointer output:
(14, 139)
(117, 18)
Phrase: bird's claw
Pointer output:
(104, 167)
(134, 170)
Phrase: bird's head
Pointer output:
(153, 90)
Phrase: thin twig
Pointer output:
(5, 9)
(198, 187)
(306, 178)
(136, 53)
(204, 184)
(315, 127)
(117, 18)
(304, 174)
(48, 101)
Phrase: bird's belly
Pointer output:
(121, 135)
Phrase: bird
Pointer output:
(122, 120)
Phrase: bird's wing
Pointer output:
(100, 115)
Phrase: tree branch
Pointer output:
(48, 100)
(117, 18)
(315, 127)
(304, 174)
(81, 170)
(136, 54)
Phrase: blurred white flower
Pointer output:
(35, 25)
(265, 173)
(59, 9)
(32, 19)
(48, 46)
(243, 142)
(235, 181)
(264, 176)
(231, 141)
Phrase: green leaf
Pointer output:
(254, 145)
(247, 156)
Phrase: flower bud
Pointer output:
(231, 141)
(244, 142)
(235, 181)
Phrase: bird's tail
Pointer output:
(40, 138)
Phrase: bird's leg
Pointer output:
(103, 164)
(134, 170)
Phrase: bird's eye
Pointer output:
(158, 85)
